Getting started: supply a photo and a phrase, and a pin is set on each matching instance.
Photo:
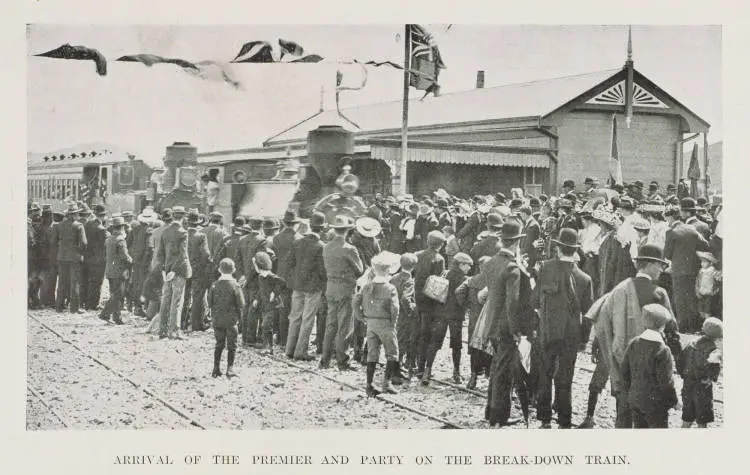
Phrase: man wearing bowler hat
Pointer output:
(562, 295)
(343, 267)
(508, 290)
(681, 244)
(71, 244)
(490, 241)
(619, 319)
(281, 244)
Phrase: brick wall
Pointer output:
(646, 149)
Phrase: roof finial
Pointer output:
(630, 44)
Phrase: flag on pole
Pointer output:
(615, 166)
(425, 59)
(694, 171)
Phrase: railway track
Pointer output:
(143, 388)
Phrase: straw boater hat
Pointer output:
(368, 227)
(641, 225)
(387, 260)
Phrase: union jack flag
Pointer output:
(426, 61)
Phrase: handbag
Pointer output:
(436, 287)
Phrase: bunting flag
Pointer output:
(67, 51)
(615, 166)
(263, 52)
(209, 70)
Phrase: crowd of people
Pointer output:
(537, 278)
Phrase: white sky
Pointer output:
(145, 110)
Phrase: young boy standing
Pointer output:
(379, 304)
(647, 372)
(407, 319)
(699, 366)
(226, 302)
(270, 287)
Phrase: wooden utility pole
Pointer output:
(405, 112)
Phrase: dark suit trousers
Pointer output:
(653, 420)
(198, 288)
(686, 303)
(114, 305)
(70, 277)
(49, 286)
(558, 365)
(140, 272)
(94, 280)
(338, 322)
(624, 419)
(321, 319)
(252, 316)
(187, 305)
(426, 314)
(503, 372)
(283, 330)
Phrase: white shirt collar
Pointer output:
(652, 335)
(567, 258)
(645, 276)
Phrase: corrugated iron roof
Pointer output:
(529, 99)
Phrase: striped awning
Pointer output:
(463, 157)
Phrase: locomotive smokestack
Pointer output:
(179, 154)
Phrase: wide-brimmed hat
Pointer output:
(511, 229)
(193, 216)
(387, 260)
(215, 214)
(117, 221)
(412, 208)
(178, 210)
(494, 221)
(342, 222)
(641, 225)
(368, 227)
(71, 209)
(707, 256)
(651, 252)
(290, 217)
(568, 238)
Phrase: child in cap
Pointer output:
(226, 302)
(647, 372)
(407, 320)
(707, 283)
(699, 366)
(379, 304)
(268, 298)
(451, 315)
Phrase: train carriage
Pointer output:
(102, 175)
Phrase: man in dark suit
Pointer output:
(71, 244)
(343, 266)
(562, 295)
(200, 281)
(215, 237)
(429, 262)
(140, 251)
(307, 283)
(173, 260)
(682, 243)
(532, 231)
(117, 270)
(504, 302)
(95, 258)
(468, 233)
(50, 278)
(248, 246)
(282, 246)
(85, 217)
